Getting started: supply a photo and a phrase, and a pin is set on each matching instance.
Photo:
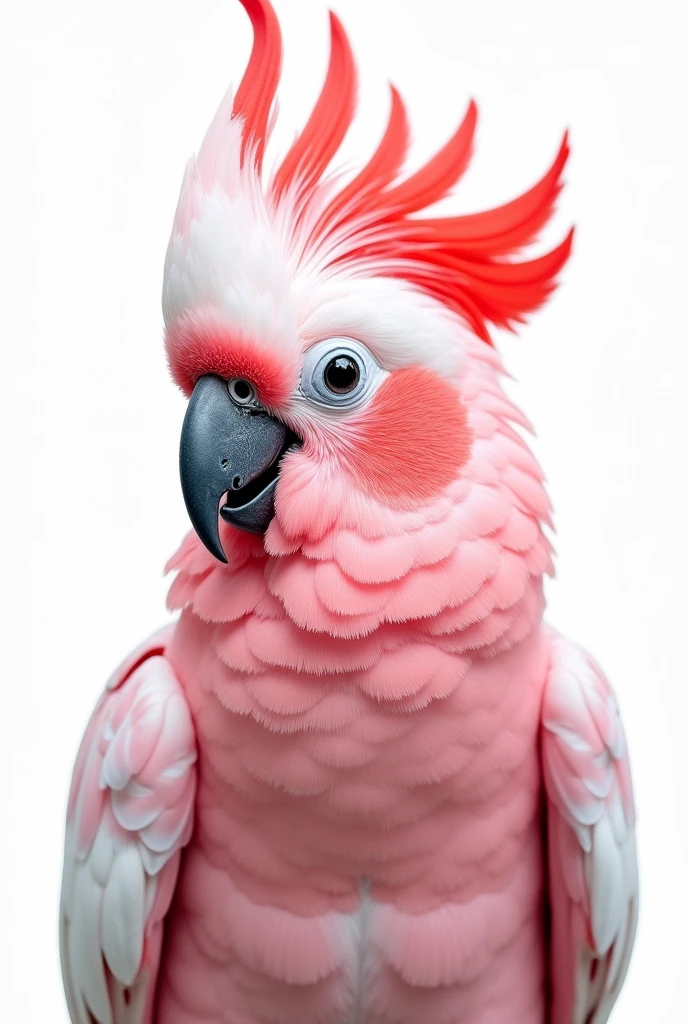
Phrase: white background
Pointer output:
(102, 104)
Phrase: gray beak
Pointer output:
(229, 451)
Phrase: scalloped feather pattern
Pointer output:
(366, 690)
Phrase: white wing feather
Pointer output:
(591, 838)
(130, 813)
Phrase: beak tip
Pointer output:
(214, 544)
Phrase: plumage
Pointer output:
(130, 812)
(358, 781)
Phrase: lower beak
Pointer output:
(233, 451)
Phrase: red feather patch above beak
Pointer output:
(202, 343)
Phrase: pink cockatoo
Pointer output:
(358, 781)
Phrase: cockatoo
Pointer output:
(358, 781)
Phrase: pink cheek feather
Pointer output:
(412, 440)
(201, 344)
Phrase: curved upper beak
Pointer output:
(231, 450)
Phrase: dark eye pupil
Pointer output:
(242, 389)
(342, 375)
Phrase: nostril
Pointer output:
(236, 483)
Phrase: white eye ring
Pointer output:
(241, 392)
(338, 373)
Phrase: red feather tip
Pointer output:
(258, 86)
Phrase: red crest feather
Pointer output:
(466, 262)
(258, 86)
(309, 157)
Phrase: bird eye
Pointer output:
(339, 372)
(342, 375)
(241, 392)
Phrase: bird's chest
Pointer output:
(421, 767)
(363, 846)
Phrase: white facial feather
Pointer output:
(400, 325)
(223, 253)
(227, 260)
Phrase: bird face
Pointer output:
(324, 333)
(356, 411)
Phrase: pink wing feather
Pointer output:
(591, 838)
(129, 815)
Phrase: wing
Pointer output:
(129, 815)
(593, 875)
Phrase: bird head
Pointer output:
(334, 339)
